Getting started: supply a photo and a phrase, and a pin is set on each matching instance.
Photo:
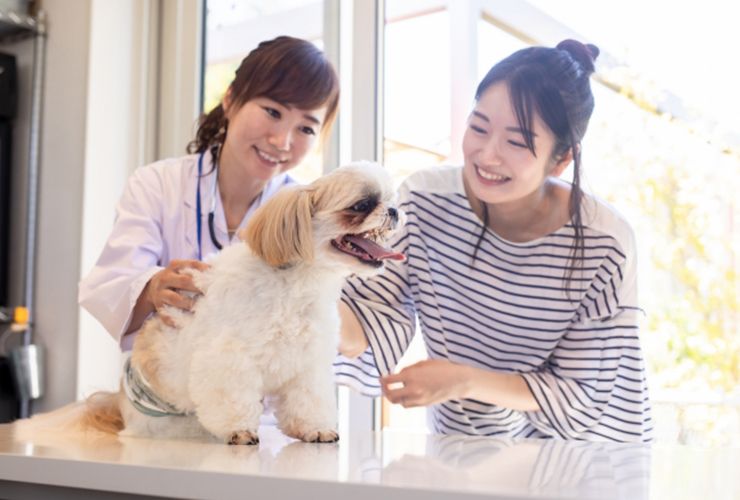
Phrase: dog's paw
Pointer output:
(310, 432)
(244, 437)
(319, 437)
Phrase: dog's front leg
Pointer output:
(306, 408)
(227, 396)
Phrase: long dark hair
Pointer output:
(555, 84)
(288, 70)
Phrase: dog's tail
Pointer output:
(103, 412)
(100, 413)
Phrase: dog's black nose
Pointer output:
(393, 213)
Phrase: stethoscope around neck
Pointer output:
(212, 211)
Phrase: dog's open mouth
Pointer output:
(365, 249)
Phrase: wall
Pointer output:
(111, 152)
(121, 89)
(60, 192)
(95, 101)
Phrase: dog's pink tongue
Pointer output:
(374, 250)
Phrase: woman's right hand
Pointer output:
(166, 287)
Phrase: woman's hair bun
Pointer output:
(585, 54)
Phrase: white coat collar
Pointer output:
(190, 185)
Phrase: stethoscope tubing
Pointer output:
(199, 210)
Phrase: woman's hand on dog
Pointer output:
(166, 287)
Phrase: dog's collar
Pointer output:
(143, 398)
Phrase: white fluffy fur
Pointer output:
(267, 323)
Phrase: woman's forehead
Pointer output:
(495, 102)
(495, 105)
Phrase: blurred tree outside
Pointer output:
(218, 76)
(678, 189)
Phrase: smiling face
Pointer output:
(499, 168)
(355, 215)
(266, 138)
(340, 222)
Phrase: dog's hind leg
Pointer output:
(307, 409)
(228, 404)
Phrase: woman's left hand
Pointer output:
(426, 383)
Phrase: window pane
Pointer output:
(417, 92)
(674, 188)
(493, 45)
(676, 180)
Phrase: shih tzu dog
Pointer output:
(266, 325)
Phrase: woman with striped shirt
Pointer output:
(524, 287)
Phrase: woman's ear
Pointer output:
(280, 231)
(562, 162)
(227, 101)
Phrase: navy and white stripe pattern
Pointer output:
(577, 349)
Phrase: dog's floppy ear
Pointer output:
(280, 231)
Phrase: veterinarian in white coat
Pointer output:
(174, 213)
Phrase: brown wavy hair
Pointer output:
(288, 70)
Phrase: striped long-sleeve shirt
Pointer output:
(508, 310)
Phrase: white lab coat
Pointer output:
(155, 224)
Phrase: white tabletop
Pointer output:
(373, 465)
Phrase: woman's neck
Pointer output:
(529, 218)
(238, 191)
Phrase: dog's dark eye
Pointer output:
(364, 206)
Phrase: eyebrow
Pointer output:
(510, 129)
(481, 116)
(312, 118)
(521, 131)
(307, 116)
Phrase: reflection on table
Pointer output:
(398, 461)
